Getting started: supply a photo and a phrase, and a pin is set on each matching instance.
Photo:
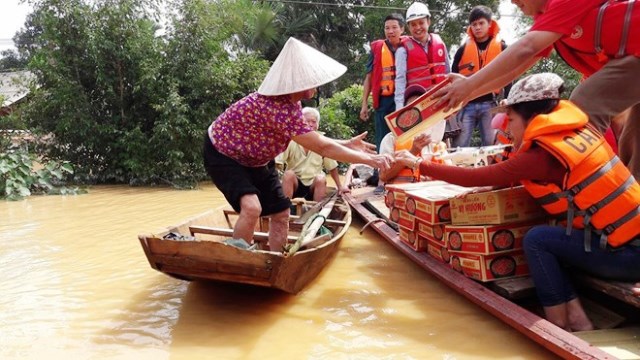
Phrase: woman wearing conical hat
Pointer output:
(242, 143)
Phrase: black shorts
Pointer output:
(235, 180)
(303, 191)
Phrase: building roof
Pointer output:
(14, 86)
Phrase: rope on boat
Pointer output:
(371, 222)
(303, 234)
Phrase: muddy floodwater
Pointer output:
(75, 284)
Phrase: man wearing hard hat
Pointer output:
(422, 59)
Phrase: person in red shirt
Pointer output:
(561, 158)
(606, 52)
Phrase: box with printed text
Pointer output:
(490, 267)
(486, 239)
(495, 207)
(431, 203)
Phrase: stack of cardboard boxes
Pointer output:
(479, 234)
(421, 211)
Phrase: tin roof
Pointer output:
(14, 86)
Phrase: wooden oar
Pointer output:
(309, 232)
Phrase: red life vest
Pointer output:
(606, 32)
(598, 192)
(384, 71)
(425, 68)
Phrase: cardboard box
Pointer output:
(396, 195)
(438, 250)
(406, 220)
(419, 115)
(433, 232)
(490, 267)
(495, 207)
(486, 239)
(431, 203)
(412, 239)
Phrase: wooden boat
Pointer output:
(514, 303)
(196, 248)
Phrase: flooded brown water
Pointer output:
(76, 284)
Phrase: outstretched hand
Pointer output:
(419, 142)
(454, 94)
(358, 143)
(381, 161)
(405, 158)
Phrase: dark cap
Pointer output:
(413, 90)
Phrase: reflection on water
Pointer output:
(76, 284)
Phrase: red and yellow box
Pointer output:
(406, 220)
(495, 207)
(431, 203)
(412, 239)
(433, 232)
(438, 250)
(396, 195)
(490, 267)
(487, 239)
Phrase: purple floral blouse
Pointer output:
(256, 128)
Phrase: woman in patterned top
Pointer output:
(242, 143)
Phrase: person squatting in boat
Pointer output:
(567, 166)
(242, 143)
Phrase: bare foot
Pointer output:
(578, 319)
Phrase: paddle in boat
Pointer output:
(611, 305)
(201, 248)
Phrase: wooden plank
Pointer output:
(514, 288)
(257, 236)
(617, 289)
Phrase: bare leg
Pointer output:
(319, 187)
(250, 210)
(278, 230)
(289, 183)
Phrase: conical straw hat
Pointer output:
(299, 67)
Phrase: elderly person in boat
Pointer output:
(569, 168)
(242, 143)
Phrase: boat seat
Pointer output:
(617, 289)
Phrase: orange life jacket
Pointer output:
(384, 71)
(606, 32)
(405, 175)
(471, 60)
(598, 192)
(425, 68)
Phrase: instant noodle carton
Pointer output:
(406, 221)
(434, 232)
(396, 195)
(431, 203)
(412, 239)
(486, 239)
(495, 207)
(490, 267)
(437, 250)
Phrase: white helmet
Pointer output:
(417, 11)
